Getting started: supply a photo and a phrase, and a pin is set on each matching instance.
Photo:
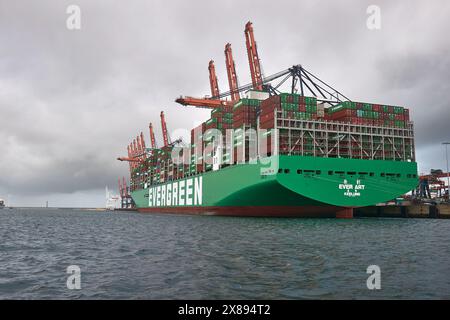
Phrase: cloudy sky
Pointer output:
(71, 100)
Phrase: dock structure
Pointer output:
(433, 211)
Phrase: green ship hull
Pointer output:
(283, 185)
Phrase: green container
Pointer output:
(398, 110)
(284, 97)
(367, 107)
(311, 100)
(212, 120)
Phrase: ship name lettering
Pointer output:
(185, 192)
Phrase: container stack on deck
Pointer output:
(244, 113)
(244, 117)
(284, 112)
(288, 106)
(369, 114)
(293, 106)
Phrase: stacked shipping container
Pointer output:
(285, 107)
(244, 113)
(369, 114)
(293, 106)
(244, 117)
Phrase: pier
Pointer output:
(422, 210)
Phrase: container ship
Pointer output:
(308, 152)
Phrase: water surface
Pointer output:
(127, 255)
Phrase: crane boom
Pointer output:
(135, 151)
(152, 135)
(164, 130)
(231, 72)
(203, 103)
(143, 143)
(135, 160)
(253, 58)
(139, 147)
(129, 156)
(213, 80)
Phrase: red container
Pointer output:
(269, 124)
(343, 114)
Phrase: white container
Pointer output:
(258, 95)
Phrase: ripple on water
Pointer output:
(133, 256)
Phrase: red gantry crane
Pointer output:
(135, 152)
(253, 58)
(152, 136)
(255, 70)
(213, 102)
(231, 72)
(164, 130)
(213, 80)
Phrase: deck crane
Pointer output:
(253, 58)
(231, 72)
(213, 80)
